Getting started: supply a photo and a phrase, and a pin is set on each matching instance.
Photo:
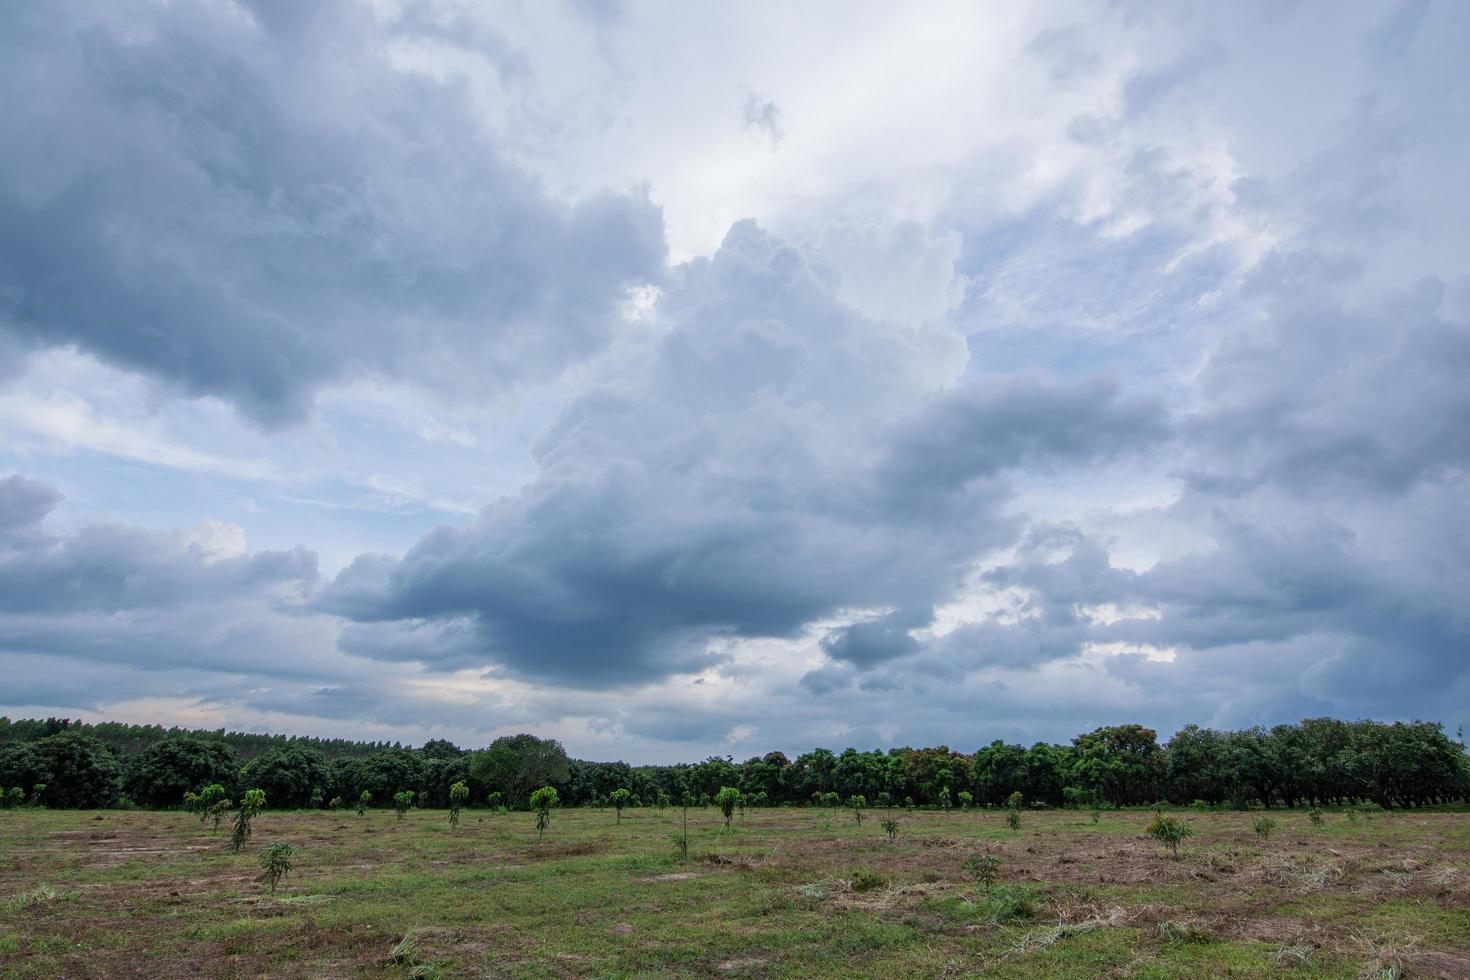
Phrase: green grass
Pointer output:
(785, 892)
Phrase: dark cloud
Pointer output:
(251, 202)
(23, 503)
(738, 482)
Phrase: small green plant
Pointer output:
(662, 800)
(363, 802)
(857, 804)
(1096, 813)
(459, 794)
(966, 798)
(686, 801)
(1315, 815)
(867, 880)
(945, 800)
(984, 868)
(1169, 831)
(1263, 827)
(317, 799)
(15, 797)
(890, 827)
(1352, 816)
(191, 802)
(275, 863)
(402, 800)
(726, 799)
(496, 801)
(37, 791)
(543, 801)
(1008, 903)
(1013, 819)
(211, 802)
(1199, 805)
(620, 798)
(335, 804)
(1015, 801)
(250, 805)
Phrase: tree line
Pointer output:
(1318, 762)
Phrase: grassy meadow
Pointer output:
(785, 892)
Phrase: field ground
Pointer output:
(787, 892)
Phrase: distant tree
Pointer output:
(515, 764)
(966, 798)
(77, 770)
(287, 775)
(179, 764)
(857, 803)
(364, 800)
(543, 801)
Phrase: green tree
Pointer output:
(402, 800)
(364, 800)
(459, 794)
(726, 799)
(857, 803)
(543, 801)
(275, 863)
(620, 798)
(250, 805)
(180, 764)
(515, 764)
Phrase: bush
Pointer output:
(364, 800)
(890, 827)
(1315, 815)
(1263, 827)
(1013, 819)
(984, 868)
(1169, 831)
(867, 880)
(726, 799)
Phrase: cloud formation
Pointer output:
(253, 203)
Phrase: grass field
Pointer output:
(786, 892)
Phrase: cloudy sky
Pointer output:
(689, 378)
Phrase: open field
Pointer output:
(787, 892)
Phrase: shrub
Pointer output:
(250, 804)
(1096, 813)
(857, 803)
(890, 827)
(1015, 801)
(402, 800)
(984, 868)
(364, 801)
(15, 797)
(1169, 831)
(1013, 819)
(1315, 815)
(459, 793)
(1007, 903)
(967, 799)
(945, 800)
(726, 799)
(543, 801)
(1263, 826)
(335, 804)
(867, 880)
(496, 801)
(275, 863)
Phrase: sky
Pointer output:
(678, 379)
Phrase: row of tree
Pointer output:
(1317, 762)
